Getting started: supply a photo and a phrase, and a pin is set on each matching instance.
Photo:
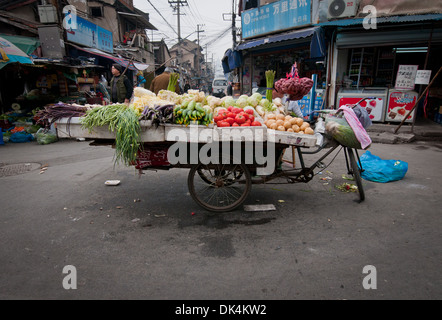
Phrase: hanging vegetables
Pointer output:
(123, 120)
(173, 80)
(270, 77)
(293, 85)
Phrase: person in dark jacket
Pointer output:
(121, 89)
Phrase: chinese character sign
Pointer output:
(281, 15)
(406, 76)
(91, 35)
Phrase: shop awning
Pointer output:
(134, 66)
(9, 53)
(317, 40)
(232, 59)
(381, 20)
(27, 44)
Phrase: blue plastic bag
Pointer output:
(1, 137)
(20, 137)
(378, 170)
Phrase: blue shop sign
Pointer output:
(277, 16)
(91, 35)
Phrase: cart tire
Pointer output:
(356, 172)
(219, 188)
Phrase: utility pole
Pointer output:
(176, 5)
(233, 17)
(198, 66)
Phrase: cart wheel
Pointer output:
(207, 176)
(219, 187)
(356, 172)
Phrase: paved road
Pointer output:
(147, 239)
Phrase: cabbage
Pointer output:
(257, 96)
(252, 101)
(242, 102)
(229, 102)
(265, 103)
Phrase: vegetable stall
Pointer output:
(223, 141)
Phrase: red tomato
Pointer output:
(245, 115)
(230, 120)
(230, 108)
(231, 115)
(250, 111)
(251, 118)
(235, 124)
(256, 124)
(240, 119)
(236, 110)
(218, 118)
(245, 125)
(223, 124)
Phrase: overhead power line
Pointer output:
(167, 22)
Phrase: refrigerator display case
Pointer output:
(375, 105)
(400, 102)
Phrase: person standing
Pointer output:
(120, 86)
(186, 87)
(161, 82)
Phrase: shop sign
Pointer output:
(423, 77)
(280, 15)
(406, 77)
(91, 35)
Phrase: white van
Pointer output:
(219, 87)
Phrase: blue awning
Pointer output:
(389, 19)
(317, 43)
(232, 59)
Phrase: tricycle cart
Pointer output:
(224, 183)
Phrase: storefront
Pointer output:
(279, 52)
(382, 64)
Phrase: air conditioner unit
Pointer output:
(47, 14)
(342, 8)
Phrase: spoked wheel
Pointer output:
(355, 171)
(219, 187)
(207, 176)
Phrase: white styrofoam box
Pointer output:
(190, 133)
(72, 128)
(290, 138)
(257, 134)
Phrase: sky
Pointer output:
(206, 13)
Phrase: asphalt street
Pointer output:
(147, 239)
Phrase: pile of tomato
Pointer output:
(236, 117)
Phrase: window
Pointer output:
(96, 12)
(220, 83)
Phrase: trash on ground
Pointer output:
(112, 182)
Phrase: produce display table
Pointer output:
(72, 128)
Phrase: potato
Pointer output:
(309, 131)
(290, 130)
(293, 121)
(296, 128)
(287, 125)
(280, 117)
(299, 121)
(281, 128)
(273, 126)
(304, 126)
(271, 121)
(271, 116)
(288, 118)
(301, 132)
(280, 123)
